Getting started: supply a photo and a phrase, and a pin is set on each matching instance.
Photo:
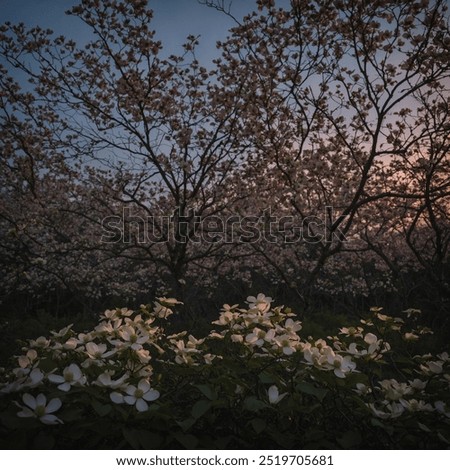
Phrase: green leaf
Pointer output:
(10, 420)
(188, 441)
(377, 423)
(44, 441)
(350, 440)
(200, 408)
(309, 389)
(149, 440)
(186, 424)
(266, 378)
(253, 404)
(258, 425)
(423, 427)
(100, 409)
(207, 391)
(70, 414)
(132, 437)
(47, 365)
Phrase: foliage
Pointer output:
(252, 382)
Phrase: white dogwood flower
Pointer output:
(274, 395)
(133, 338)
(341, 365)
(72, 375)
(39, 408)
(261, 302)
(98, 351)
(138, 396)
(105, 380)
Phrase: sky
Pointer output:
(173, 21)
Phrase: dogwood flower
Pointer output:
(61, 333)
(394, 410)
(98, 351)
(341, 365)
(209, 358)
(28, 359)
(375, 349)
(111, 315)
(38, 408)
(274, 395)
(418, 384)
(169, 301)
(444, 357)
(412, 311)
(286, 344)
(394, 390)
(237, 338)
(72, 375)
(133, 338)
(258, 336)
(432, 367)
(416, 405)
(351, 331)
(105, 329)
(292, 326)
(84, 338)
(105, 380)
(362, 389)
(442, 408)
(226, 318)
(40, 342)
(25, 379)
(142, 355)
(261, 302)
(315, 356)
(410, 337)
(138, 396)
(124, 312)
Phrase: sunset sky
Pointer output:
(173, 21)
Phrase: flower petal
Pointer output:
(25, 413)
(41, 400)
(273, 394)
(29, 400)
(65, 387)
(141, 405)
(129, 400)
(76, 372)
(36, 376)
(144, 385)
(370, 338)
(50, 419)
(56, 379)
(53, 405)
(116, 397)
(91, 348)
(151, 395)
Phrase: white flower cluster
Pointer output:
(119, 355)
(263, 331)
(115, 356)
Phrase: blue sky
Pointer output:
(173, 21)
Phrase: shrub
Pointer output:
(252, 382)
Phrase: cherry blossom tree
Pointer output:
(313, 153)
(136, 135)
(345, 105)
